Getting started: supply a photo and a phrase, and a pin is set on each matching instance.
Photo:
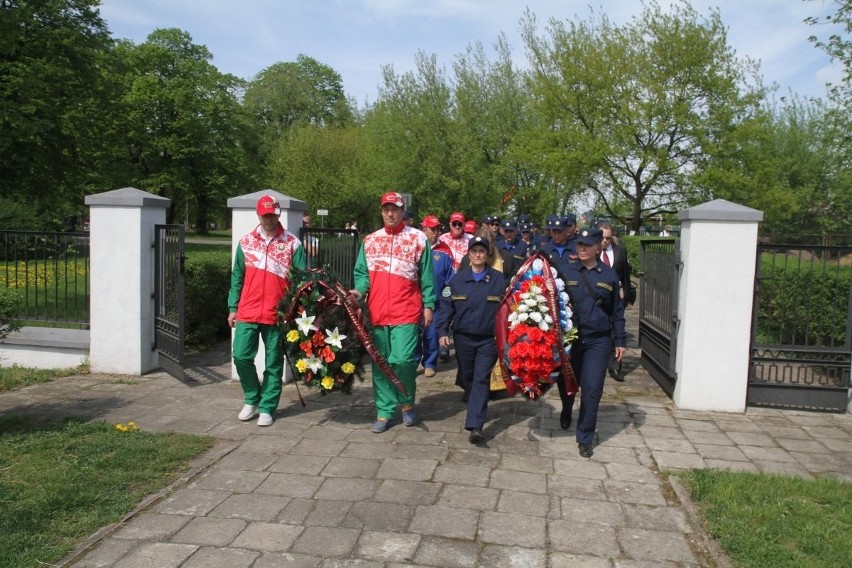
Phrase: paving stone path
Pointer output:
(318, 489)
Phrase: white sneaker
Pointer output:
(264, 419)
(248, 412)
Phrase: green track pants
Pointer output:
(246, 337)
(398, 345)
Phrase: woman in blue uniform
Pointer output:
(599, 316)
(469, 304)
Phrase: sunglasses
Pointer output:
(496, 224)
(457, 224)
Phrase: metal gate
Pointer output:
(168, 297)
(334, 249)
(658, 319)
(801, 346)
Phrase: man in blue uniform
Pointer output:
(599, 316)
(512, 242)
(469, 304)
(560, 248)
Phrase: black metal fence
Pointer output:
(802, 327)
(49, 274)
(660, 260)
(334, 249)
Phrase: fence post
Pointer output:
(244, 220)
(121, 229)
(718, 248)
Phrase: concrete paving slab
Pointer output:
(318, 489)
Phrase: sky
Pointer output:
(357, 38)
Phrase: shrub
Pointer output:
(208, 279)
(631, 243)
(9, 309)
(798, 304)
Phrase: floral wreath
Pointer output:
(320, 341)
(538, 343)
(327, 333)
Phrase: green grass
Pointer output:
(62, 481)
(15, 377)
(772, 521)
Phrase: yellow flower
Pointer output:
(121, 427)
(292, 336)
(301, 365)
(347, 368)
(327, 383)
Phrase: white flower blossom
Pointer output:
(306, 323)
(314, 364)
(560, 285)
(536, 317)
(543, 326)
(537, 264)
(523, 307)
(334, 338)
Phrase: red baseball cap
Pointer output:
(268, 205)
(393, 198)
(457, 216)
(470, 227)
(430, 221)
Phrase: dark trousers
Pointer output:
(589, 361)
(429, 346)
(476, 355)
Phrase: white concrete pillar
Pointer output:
(716, 291)
(121, 229)
(244, 220)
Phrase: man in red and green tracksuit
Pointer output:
(394, 271)
(259, 279)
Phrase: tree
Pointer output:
(50, 55)
(322, 166)
(184, 135)
(629, 111)
(493, 106)
(839, 46)
(302, 92)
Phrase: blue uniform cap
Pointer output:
(590, 236)
(570, 219)
(555, 222)
(479, 242)
(509, 225)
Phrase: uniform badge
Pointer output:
(446, 292)
(605, 286)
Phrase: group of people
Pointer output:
(424, 286)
